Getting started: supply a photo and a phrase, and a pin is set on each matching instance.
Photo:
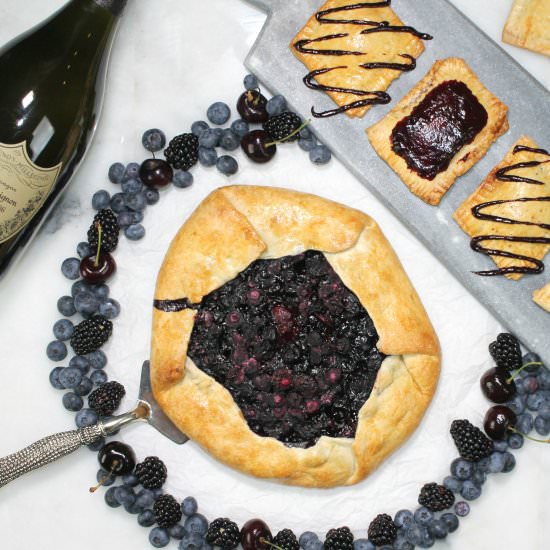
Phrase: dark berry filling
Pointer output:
(293, 345)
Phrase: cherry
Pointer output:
(255, 145)
(255, 535)
(497, 421)
(155, 173)
(100, 271)
(117, 458)
(497, 385)
(251, 105)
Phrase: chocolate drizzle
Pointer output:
(173, 306)
(376, 97)
(475, 243)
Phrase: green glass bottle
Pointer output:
(52, 79)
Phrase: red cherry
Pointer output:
(497, 421)
(155, 173)
(255, 145)
(100, 272)
(251, 105)
(117, 458)
(253, 533)
(497, 386)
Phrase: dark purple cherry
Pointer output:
(497, 421)
(117, 458)
(497, 386)
(251, 105)
(155, 173)
(253, 534)
(255, 145)
(97, 272)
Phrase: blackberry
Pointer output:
(436, 497)
(182, 151)
(90, 334)
(151, 472)
(506, 352)
(286, 540)
(224, 533)
(382, 530)
(280, 126)
(471, 442)
(339, 539)
(109, 231)
(106, 399)
(167, 511)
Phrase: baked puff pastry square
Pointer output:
(541, 297)
(440, 129)
(235, 230)
(513, 205)
(528, 25)
(354, 51)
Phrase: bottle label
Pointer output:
(24, 187)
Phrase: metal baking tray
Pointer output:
(454, 36)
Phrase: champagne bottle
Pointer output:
(52, 88)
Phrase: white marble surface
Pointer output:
(168, 66)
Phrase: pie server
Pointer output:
(58, 445)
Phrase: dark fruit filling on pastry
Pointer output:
(449, 117)
(293, 345)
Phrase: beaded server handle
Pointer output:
(55, 446)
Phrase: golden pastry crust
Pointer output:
(280, 222)
(528, 25)
(432, 191)
(492, 189)
(378, 47)
(541, 297)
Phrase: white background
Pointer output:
(172, 59)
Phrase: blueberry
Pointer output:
(320, 154)
(218, 113)
(229, 140)
(483, 465)
(157, 492)
(132, 186)
(131, 171)
(306, 133)
(453, 484)
(535, 401)
(250, 82)
(315, 545)
(207, 156)
(177, 531)
(153, 140)
(426, 539)
(124, 219)
(63, 329)
(116, 172)
(517, 404)
(438, 529)
(462, 508)
(70, 377)
(462, 469)
(400, 543)
(479, 477)
(101, 199)
(470, 491)
(152, 196)
(198, 127)
(191, 541)
(451, 521)
(183, 179)
(97, 359)
(524, 422)
(110, 498)
(65, 306)
(131, 480)
(414, 533)
(98, 377)
(542, 426)
(307, 144)
(72, 402)
(85, 417)
(423, 516)
(54, 378)
(306, 538)
(543, 379)
(71, 268)
(159, 537)
(133, 508)
(125, 495)
(544, 412)
(209, 138)
(276, 105)
(110, 308)
(189, 506)
(515, 441)
(85, 387)
(530, 357)
(97, 445)
(146, 518)
(83, 249)
(500, 446)
(196, 524)
(86, 302)
(137, 216)
(135, 232)
(363, 544)
(56, 350)
(509, 462)
(403, 518)
(80, 286)
(145, 497)
(118, 203)
(104, 477)
(136, 201)
(240, 127)
(227, 165)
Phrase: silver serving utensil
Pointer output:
(55, 446)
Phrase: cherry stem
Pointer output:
(263, 540)
(99, 239)
(104, 478)
(528, 436)
(515, 375)
(293, 133)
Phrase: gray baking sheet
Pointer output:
(529, 113)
